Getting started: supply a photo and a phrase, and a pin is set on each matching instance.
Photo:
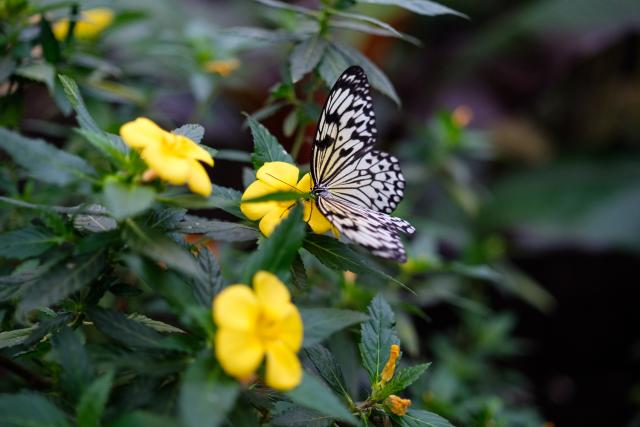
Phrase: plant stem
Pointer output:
(297, 143)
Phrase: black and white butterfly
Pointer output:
(356, 186)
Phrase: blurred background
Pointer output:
(519, 136)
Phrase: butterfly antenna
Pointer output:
(285, 183)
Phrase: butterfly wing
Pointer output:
(343, 160)
(374, 230)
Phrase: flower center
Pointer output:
(268, 329)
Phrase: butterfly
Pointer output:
(355, 186)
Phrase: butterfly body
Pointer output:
(356, 186)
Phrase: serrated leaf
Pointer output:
(125, 201)
(194, 132)
(77, 103)
(333, 64)
(206, 395)
(166, 218)
(216, 229)
(207, 288)
(15, 337)
(421, 418)
(298, 272)
(223, 198)
(320, 323)
(63, 281)
(47, 326)
(313, 394)
(26, 242)
(276, 253)
(266, 147)
(124, 330)
(338, 256)
(96, 220)
(93, 402)
(110, 145)
(401, 380)
(377, 334)
(422, 7)
(156, 325)
(306, 56)
(287, 414)
(72, 356)
(375, 75)
(44, 161)
(327, 367)
(30, 409)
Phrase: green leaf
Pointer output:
(306, 56)
(40, 72)
(26, 242)
(223, 198)
(378, 333)
(320, 323)
(422, 7)
(124, 330)
(43, 161)
(93, 402)
(421, 418)
(280, 196)
(96, 220)
(313, 394)
(234, 155)
(206, 394)
(192, 131)
(29, 410)
(207, 288)
(70, 352)
(375, 75)
(401, 380)
(327, 367)
(61, 282)
(376, 23)
(156, 325)
(50, 46)
(367, 28)
(15, 337)
(109, 145)
(338, 256)
(287, 414)
(286, 6)
(145, 419)
(48, 326)
(265, 146)
(333, 64)
(217, 230)
(125, 201)
(73, 95)
(276, 253)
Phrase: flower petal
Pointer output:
(304, 184)
(188, 148)
(255, 211)
(273, 296)
(239, 353)
(141, 133)
(274, 217)
(283, 367)
(199, 181)
(236, 307)
(318, 222)
(172, 169)
(291, 329)
(280, 175)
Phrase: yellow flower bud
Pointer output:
(390, 367)
(397, 405)
(224, 67)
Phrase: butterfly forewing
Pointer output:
(357, 186)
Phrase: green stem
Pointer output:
(297, 143)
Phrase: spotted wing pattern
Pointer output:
(357, 186)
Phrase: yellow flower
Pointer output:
(256, 322)
(224, 67)
(90, 23)
(390, 366)
(397, 405)
(275, 177)
(174, 158)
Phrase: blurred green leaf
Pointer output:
(206, 394)
(48, 326)
(279, 196)
(156, 325)
(313, 394)
(96, 220)
(217, 230)
(377, 335)
(287, 414)
(276, 253)
(110, 145)
(192, 131)
(422, 7)
(368, 28)
(212, 282)
(30, 409)
(327, 367)
(50, 46)
(320, 323)
(26, 242)
(125, 201)
(402, 379)
(93, 402)
(286, 6)
(70, 352)
(377, 24)
(421, 418)
(73, 94)
(234, 155)
(333, 64)
(15, 337)
(40, 72)
(64, 280)
(145, 419)
(266, 147)
(44, 161)
(305, 56)
(126, 331)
